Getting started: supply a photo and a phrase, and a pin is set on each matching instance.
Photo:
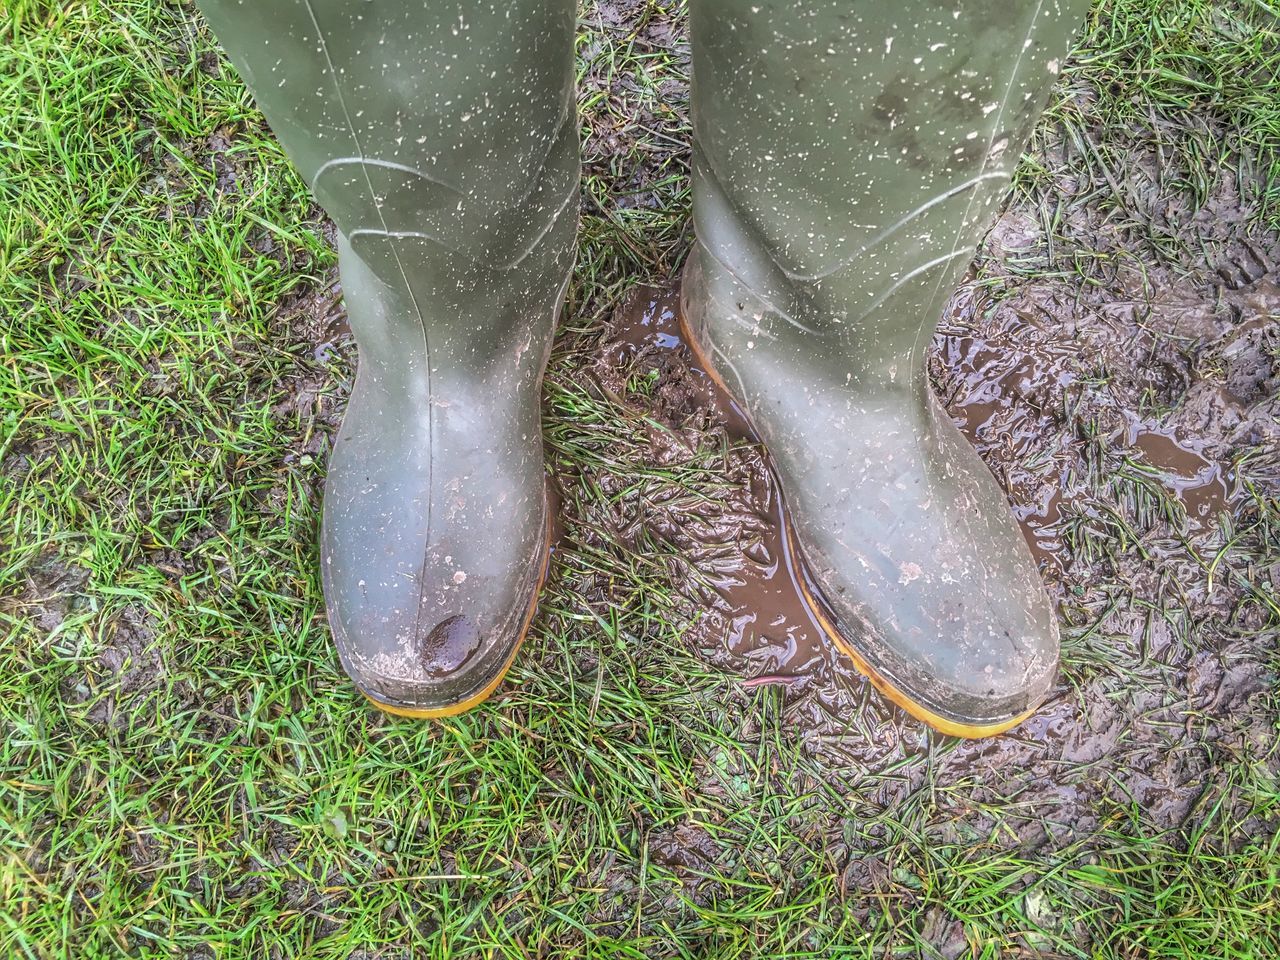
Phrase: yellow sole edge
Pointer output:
(953, 728)
(918, 710)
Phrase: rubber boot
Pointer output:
(441, 140)
(847, 158)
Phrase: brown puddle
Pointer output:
(755, 617)
(1200, 483)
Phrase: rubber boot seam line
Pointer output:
(512, 265)
(759, 296)
(924, 267)
(417, 234)
(565, 114)
(387, 164)
(373, 196)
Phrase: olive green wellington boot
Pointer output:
(441, 139)
(847, 158)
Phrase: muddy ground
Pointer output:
(1123, 506)
(1120, 375)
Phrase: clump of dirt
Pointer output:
(313, 327)
(49, 591)
(129, 663)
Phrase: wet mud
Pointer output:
(1132, 426)
(754, 619)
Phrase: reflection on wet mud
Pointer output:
(1199, 483)
(755, 617)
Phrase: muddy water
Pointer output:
(754, 619)
(754, 615)
(1200, 484)
(1012, 382)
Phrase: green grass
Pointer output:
(186, 771)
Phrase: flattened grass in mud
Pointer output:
(187, 772)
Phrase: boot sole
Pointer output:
(480, 696)
(811, 596)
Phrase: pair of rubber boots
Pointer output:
(847, 157)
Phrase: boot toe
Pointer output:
(996, 666)
(427, 614)
(929, 578)
(427, 666)
(966, 668)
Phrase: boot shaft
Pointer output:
(848, 155)
(448, 122)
